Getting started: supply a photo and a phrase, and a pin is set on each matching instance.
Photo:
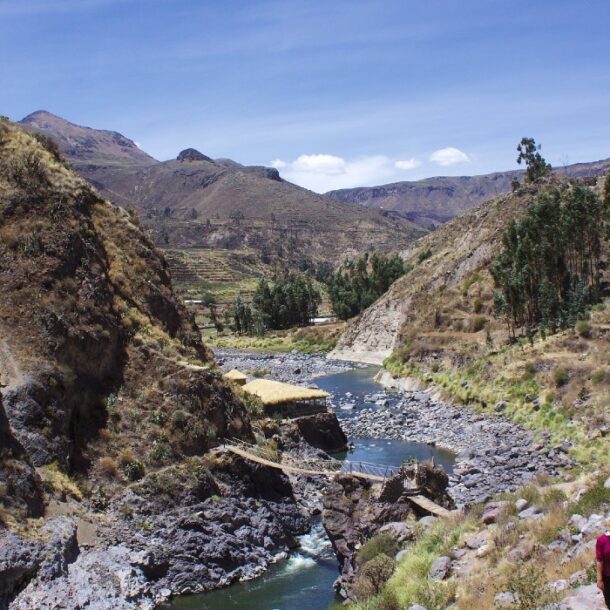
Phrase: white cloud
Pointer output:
(407, 164)
(330, 165)
(324, 172)
(449, 156)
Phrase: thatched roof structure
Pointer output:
(275, 393)
(235, 375)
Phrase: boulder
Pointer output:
(322, 431)
(587, 597)
(521, 504)
(474, 542)
(491, 512)
(398, 530)
(531, 513)
(505, 599)
(440, 568)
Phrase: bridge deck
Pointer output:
(419, 500)
(429, 506)
(297, 469)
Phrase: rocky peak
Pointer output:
(191, 154)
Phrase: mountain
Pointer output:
(195, 202)
(86, 145)
(432, 201)
(111, 407)
(89, 322)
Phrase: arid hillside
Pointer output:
(197, 202)
(436, 200)
(436, 326)
(104, 374)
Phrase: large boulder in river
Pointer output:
(322, 431)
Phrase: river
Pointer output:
(305, 579)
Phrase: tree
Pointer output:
(536, 166)
(240, 314)
(549, 269)
(292, 301)
(358, 284)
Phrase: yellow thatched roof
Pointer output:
(275, 392)
(235, 375)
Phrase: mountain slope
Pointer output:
(85, 144)
(435, 326)
(194, 201)
(93, 339)
(432, 201)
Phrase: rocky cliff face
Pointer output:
(20, 486)
(93, 338)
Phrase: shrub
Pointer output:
(403, 352)
(254, 405)
(158, 417)
(134, 471)
(592, 499)
(583, 393)
(438, 317)
(107, 467)
(378, 571)
(598, 376)
(179, 418)
(530, 371)
(478, 323)
(583, 329)
(363, 588)
(125, 457)
(382, 543)
(560, 377)
(424, 254)
(477, 305)
(528, 588)
(258, 373)
(160, 451)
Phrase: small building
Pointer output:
(236, 376)
(287, 400)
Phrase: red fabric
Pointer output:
(602, 553)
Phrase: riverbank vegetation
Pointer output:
(524, 560)
(309, 340)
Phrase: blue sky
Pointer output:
(335, 93)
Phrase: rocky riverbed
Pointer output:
(492, 453)
(293, 367)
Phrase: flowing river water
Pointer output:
(305, 579)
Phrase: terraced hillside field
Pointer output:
(224, 273)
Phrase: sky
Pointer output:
(335, 94)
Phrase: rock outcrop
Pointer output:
(20, 487)
(354, 511)
(322, 431)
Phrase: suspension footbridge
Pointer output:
(376, 473)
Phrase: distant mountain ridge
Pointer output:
(433, 201)
(197, 202)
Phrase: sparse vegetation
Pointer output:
(377, 545)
